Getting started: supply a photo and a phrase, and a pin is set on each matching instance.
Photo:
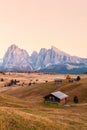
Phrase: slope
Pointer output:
(38, 91)
(23, 109)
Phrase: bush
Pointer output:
(75, 99)
(78, 78)
(46, 81)
(29, 84)
(12, 82)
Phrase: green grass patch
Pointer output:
(51, 105)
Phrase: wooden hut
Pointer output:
(72, 80)
(58, 97)
(58, 81)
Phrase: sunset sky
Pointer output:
(35, 24)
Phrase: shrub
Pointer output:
(75, 99)
(78, 78)
(46, 81)
(29, 84)
(12, 82)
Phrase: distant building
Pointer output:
(72, 80)
(58, 81)
(58, 97)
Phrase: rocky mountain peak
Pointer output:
(34, 53)
(56, 50)
(16, 58)
(42, 51)
(13, 46)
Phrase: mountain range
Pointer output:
(47, 60)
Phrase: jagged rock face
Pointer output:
(54, 56)
(16, 59)
(33, 59)
(40, 59)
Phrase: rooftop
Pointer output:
(59, 95)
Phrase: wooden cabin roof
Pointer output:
(59, 95)
(58, 80)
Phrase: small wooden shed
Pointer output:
(58, 81)
(58, 97)
(72, 80)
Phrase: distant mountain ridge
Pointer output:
(54, 56)
(49, 60)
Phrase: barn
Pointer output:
(57, 97)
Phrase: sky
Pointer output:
(35, 24)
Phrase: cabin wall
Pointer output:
(58, 81)
(52, 98)
(63, 101)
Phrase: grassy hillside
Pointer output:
(36, 92)
(12, 119)
(16, 114)
(22, 107)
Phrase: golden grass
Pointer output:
(22, 108)
(38, 91)
(12, 119)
